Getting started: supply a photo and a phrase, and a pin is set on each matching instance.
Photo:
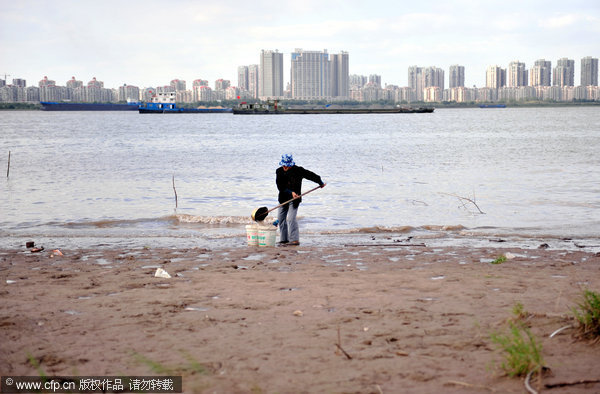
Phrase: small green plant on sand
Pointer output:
(191, 367)
(587, 314)
(522, 352)
(499, 260)
(36, 364)
(519, 311)
(155, 366)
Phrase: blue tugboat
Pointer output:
(164, 103)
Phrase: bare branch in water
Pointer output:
(175, 190)
(464, 200)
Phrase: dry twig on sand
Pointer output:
(339, 345)
(564, 384)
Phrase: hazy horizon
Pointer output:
(149, 43)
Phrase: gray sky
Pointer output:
(150, 42)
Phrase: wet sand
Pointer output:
(364, 319)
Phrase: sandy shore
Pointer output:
(364, 319)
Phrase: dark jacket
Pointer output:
(291, 181)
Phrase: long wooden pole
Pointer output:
(8, 168)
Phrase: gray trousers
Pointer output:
(288, 225)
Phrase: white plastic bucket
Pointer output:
(267, 236)
(252, 235)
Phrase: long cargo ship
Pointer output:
(492, 106)
(164, 103)
(69, 106)
(272, 108)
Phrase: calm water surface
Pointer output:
(84, 179)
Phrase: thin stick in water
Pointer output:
(8, 168)
(175, 190)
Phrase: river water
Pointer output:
(96, 179)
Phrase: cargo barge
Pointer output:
(272, 108)
(492, 106)
(69, 106)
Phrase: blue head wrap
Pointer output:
(287, 160)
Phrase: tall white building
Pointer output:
(340, 75)
(416, 81)
(541, 73)
(516, 74)
(495, 77)
(253, 80)
(310, 75)
(564, 72)
(589, 71)
(434, 77)
(242, 77)
(456, 77)
(178, 85)
(420, 78)
(271, 74)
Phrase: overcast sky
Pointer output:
(150, 42)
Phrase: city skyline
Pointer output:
(316, 75)
(541, 75)
(132, 43)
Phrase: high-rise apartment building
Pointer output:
(416, 81)
(375, 80)
(21, 83)
(253, 80)
(203, 93)
(420, 78)
(178, 85)
(456, 77)
(46, 82)
(129, 93)
(310, 75)
(94, 83)
(200, 82)
(340, 75)
(357, 81)
(95, 92)
(414, 74)
(434, 77)
(564, 73)
(73, 83)
(541, 73)
(147, 94)
(495, 77)
(516, 74)
(589, 71)
(271, 74)
(242, 77)
(222, 84)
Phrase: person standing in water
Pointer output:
(289, 183)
